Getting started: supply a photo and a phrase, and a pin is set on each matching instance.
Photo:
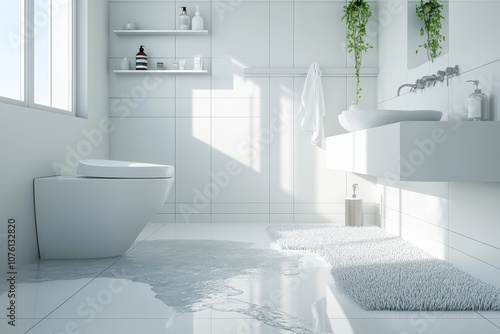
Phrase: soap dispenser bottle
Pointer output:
(477, 104)
(197, 23)
(141, 60)
(184, 20)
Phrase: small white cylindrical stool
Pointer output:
(354, 209)
(353, 212)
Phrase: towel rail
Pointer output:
(302, 71)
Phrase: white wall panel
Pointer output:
(281, 35)
(319, 35)
(240, 160)
(280, 136)
(243, 34)
(193, 164)
(471, 26)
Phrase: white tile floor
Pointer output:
(207, 278)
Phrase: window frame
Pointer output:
(28, 54)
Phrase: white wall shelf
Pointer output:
(302, 71)
(420, 151)
(161, 72)
(161, 32)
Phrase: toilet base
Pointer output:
(84, 218)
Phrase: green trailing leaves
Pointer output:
(356, 14)
(430, 13)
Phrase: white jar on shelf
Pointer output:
(125, 64)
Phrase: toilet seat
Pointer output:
(99, 168)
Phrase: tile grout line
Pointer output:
(477, 312)
(211, 110)
(175, 125)
(293, 115)
(75, 293)
(489, 264)
(269, 117)
(475, 240)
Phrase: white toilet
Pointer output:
(100, 212)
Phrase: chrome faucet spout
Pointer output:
(413, 87)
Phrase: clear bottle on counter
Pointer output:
(477, 104)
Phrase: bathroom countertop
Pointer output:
(420, 151)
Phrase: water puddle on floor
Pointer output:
(192, 276)
(186, 276)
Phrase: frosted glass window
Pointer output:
(53, 53)
(12, 49)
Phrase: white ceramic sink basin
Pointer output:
(361, 119)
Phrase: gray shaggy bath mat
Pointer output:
(383, 272)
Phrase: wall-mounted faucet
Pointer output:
(450, 72)
(413, 87)
(431, 80)
(420, 83)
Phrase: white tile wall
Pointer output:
(193, 86)
(243, 34)
(120, 107)
(193, 107)
(141, 86)
(240, 107)
(472, 24)
(281, 133)
(281, 34)
(454, 221)
(201, 123)
(236, 141)
(392, 58)
(474, 211)
(314, 25)
(228, 80)
(193, 165)
(429, 202)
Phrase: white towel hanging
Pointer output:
(312, 108)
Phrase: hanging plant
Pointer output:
(430, 13)
(357, 13)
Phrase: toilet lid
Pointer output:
(123, 169)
